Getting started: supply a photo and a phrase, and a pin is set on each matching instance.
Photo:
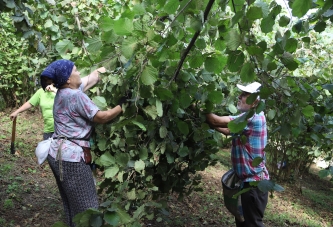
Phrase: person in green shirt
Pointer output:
(44, 97)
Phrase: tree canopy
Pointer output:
(173, 54)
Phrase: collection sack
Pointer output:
(231, 185)
(42, 150)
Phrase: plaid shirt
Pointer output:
(243, 154)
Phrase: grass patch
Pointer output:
(318, 198)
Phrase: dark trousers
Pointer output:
(77, 190)
(254, 204)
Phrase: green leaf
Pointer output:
(238, 15)
(291, 45)
(159, 108)
(278, 188)
(200, 44)
(48, 23)
(320, 26)
(139, 165)
(211, 63)
(95, 44)
(256, 161)
(111, 171)
(233, 39)
(183, 152)
(170, 158)
(254, 13)
(128, 47)
(102, 144)
(185, 100)
(106, 23)
(247, 73)
(196, 25)
(112, 218)
(301, 7)
(100, 102)
(308, 111)
(163, 131)
(235, 60)
(140, 125)
(9, 3)
(236, 127)
(171, 6)
(139, 9)
(215, 64)
(163, 94)
(271, 114)
(183, 127)
(107, 38)
(267, 24)
(151, 111)
(266, 185)
(232, 108)
(284, 21)
(196, 61)
(328, 87)
(215, 97)
(122, 159)
(324, 173)
(64, 46)
(96, 221)
(261, 106)
(124, 217)
(107, 159)
(149, 75)
(123, 26)
(288, 60)
(131, 194)
(220, 45)
(143, 153)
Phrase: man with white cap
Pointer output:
(243, 153)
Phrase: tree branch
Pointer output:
(180, 11)
(191, 44)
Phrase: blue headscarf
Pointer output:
(59, 71)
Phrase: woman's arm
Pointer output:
(92, 79)
(24, 107)
(105, 116)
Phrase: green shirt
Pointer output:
(45, 100)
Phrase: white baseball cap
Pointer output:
(250, 88)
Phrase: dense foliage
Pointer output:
(172, 54)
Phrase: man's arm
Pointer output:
(92, 79)
(224, 131)
(217, 121)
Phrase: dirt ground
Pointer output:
(29, 196)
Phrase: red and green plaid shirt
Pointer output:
(243, 154)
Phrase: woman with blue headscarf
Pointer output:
(74, 115)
